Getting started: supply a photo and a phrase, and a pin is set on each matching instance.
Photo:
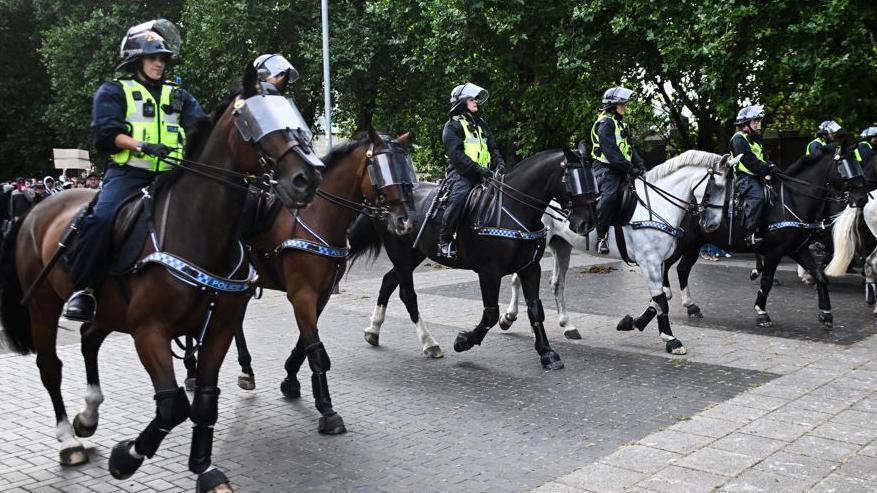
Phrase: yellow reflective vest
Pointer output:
(474, 142)
(620, 140)
(149, 122)
(756, 149)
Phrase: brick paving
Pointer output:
(798, 413)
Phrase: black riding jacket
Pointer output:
(453, 138)
(739, 146)
(609, 147)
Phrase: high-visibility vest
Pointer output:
(756, 149)
(159, 127)
(822, 141)
(857, 153)
(474, 142)
(620, 140)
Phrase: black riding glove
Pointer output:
(637, 171)
(484, 172)
(157, 150)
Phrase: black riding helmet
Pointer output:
(159, 36)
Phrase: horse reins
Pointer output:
(540, 205)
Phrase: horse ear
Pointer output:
(405, 139)
(724, 162)
(250, 81)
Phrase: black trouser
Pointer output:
(610, 183)
(459, 192)
(751, 191)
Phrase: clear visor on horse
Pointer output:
(263, 114)
(392, 168)
(850, 169)
(580, 181)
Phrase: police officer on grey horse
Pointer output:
(472, 156)
(138, 120)
(752, 168)
(613, 159)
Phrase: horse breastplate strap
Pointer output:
(513, 234)
(311, 247)
(660, 226)
(190, 273)
(795, 225)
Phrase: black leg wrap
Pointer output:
(761, 300)
(661, 301)
(822, 293)
(204, 412)
(210, 480)
(172, 408)
(535, 311)
(664, 324)
(643, 320)
(467, 340)
(318, 359)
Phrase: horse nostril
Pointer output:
(299, 181)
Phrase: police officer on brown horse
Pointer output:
(137, 120)
(472, 156)
(613, 159)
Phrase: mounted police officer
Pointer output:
(276, 70)
(752, 168)
(613, 158)
(824, 141)
(472, 155)
(864, 150)
(138, 120)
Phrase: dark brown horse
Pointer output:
(304, 254)
(157, 303)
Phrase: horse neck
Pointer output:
(537, 180)
(204, 214)
(806, 205)
(679, 184)
(341, 179)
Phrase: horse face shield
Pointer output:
(710, 208)
(852, 173)
(393, 179)
(274, 125)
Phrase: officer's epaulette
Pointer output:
(170, 83)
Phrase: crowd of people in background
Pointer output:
(20, 194)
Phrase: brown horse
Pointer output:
(156, 303)
(304, 254)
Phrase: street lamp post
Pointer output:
(327, 97)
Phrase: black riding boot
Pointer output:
(81, 305)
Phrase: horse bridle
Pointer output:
(380, 208)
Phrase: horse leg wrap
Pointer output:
(760, 300)
(171, 409)
(822, 293)
(643, 320)
(203, 414)
(318, 359)
(661, 301)
(489, 318)
(537, 316)
(664, 326)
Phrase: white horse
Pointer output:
(845, 235)
(687, 177)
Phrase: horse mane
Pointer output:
(693, 157)
(339, 152)
(523, 163)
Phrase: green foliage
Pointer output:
(545, 63)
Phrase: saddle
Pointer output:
(483, 205)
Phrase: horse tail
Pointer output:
(845, 234)
(363, 240)
(14, 317)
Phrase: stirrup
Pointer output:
(753, 239)
(603, 245)
(447, 250)
(81, 306)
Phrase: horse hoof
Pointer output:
(694, 311)
(247, 381)
(122, 465)
(331, 425)
(764, 321)
(372, 338)
(212, 481)
(625, 324)
(551, 361)
(81, 430)
(462, 342)
(505, 323)
(572, 333)
(433, 352)
(73, 456)
(675, 347)
(190, 384)
(826, 319)
(753, 274)
(290, 388)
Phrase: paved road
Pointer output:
(747, 408)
